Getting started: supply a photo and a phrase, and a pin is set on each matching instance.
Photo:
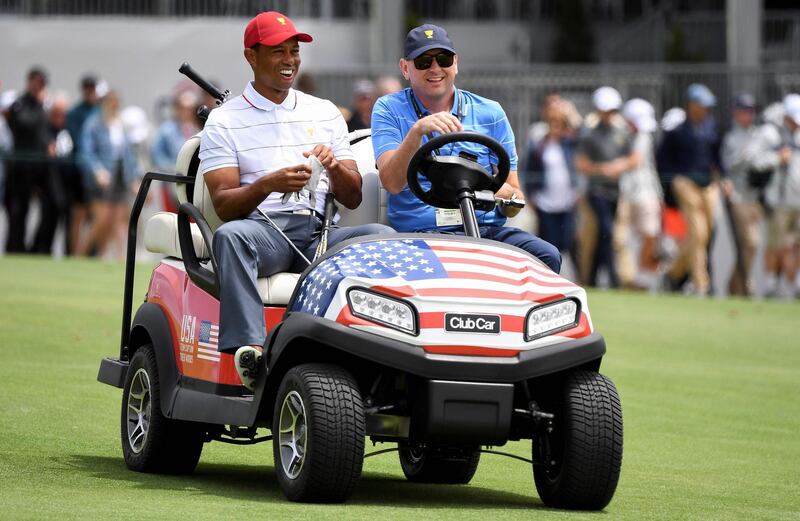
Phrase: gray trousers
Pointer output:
(249, 248)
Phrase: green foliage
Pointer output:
(708, 387)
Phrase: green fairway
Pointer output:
(709, 394)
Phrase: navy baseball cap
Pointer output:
(426, 37)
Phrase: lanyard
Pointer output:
(420, 115)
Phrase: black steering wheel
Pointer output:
(452, 176)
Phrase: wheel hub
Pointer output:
(139, 410)
(292, 437)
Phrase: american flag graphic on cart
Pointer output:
(207, 341)
(445, 274)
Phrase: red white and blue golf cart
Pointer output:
(439, 344)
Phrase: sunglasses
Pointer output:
(424, 62)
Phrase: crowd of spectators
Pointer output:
(616, 180)
(629, 199)
(82, 163)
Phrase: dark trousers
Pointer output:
(605, 209)
(541, 249)
(24, 179)
(250, 248)
(558, 228)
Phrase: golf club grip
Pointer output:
(190, 73)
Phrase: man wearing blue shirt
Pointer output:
(402, 121)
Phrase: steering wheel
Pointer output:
(451, 176)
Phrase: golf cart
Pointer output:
(444, 345)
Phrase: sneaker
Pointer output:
(248, 362)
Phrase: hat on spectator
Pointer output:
(363, 88)
(271, 28)
(102, 88)
(791, 107)
(673, 118)
(744, 100)
(7, 98)
(89, 82)
(700, 94)
(606, 99)
(641, 113)
(424, 38)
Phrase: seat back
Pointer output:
(374, 198)
(188, 163)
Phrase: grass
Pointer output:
(709, 392)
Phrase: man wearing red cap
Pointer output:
(256, 148)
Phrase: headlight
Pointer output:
(383, 310)
(551, 318)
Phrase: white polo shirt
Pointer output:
(259, 137)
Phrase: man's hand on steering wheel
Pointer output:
(441, 122)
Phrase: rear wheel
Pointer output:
(318, 434)
(585, 447)
(152, 442)
(433, 464)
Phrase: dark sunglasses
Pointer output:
(425, 61)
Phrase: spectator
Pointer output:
(639, 207)
(688, 161)
(174, 132)
(61, 164)
(6, 139)
(604, 153)
(77, 201)
(363, 100)
(111, 163)
(28, 171)
(748, 159)
(387, 85)
(550, 179)
(783, 195)
(307, 83)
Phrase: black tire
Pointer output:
(586, 444)
(455, 466)
(152, 442)
(331, 434)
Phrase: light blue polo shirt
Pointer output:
(392, 118)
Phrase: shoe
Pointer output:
(248, 362)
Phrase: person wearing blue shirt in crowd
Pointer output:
(174, 132)
(110, 168)
(402, 121)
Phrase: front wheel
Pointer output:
(151, 442)
(433, 464)
(585, 448)
(318, 434)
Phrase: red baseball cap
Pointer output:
(271, 28)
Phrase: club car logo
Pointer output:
(472, 323)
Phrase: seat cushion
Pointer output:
(277, 289)
(161, 236)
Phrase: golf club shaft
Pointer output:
(288, 241)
